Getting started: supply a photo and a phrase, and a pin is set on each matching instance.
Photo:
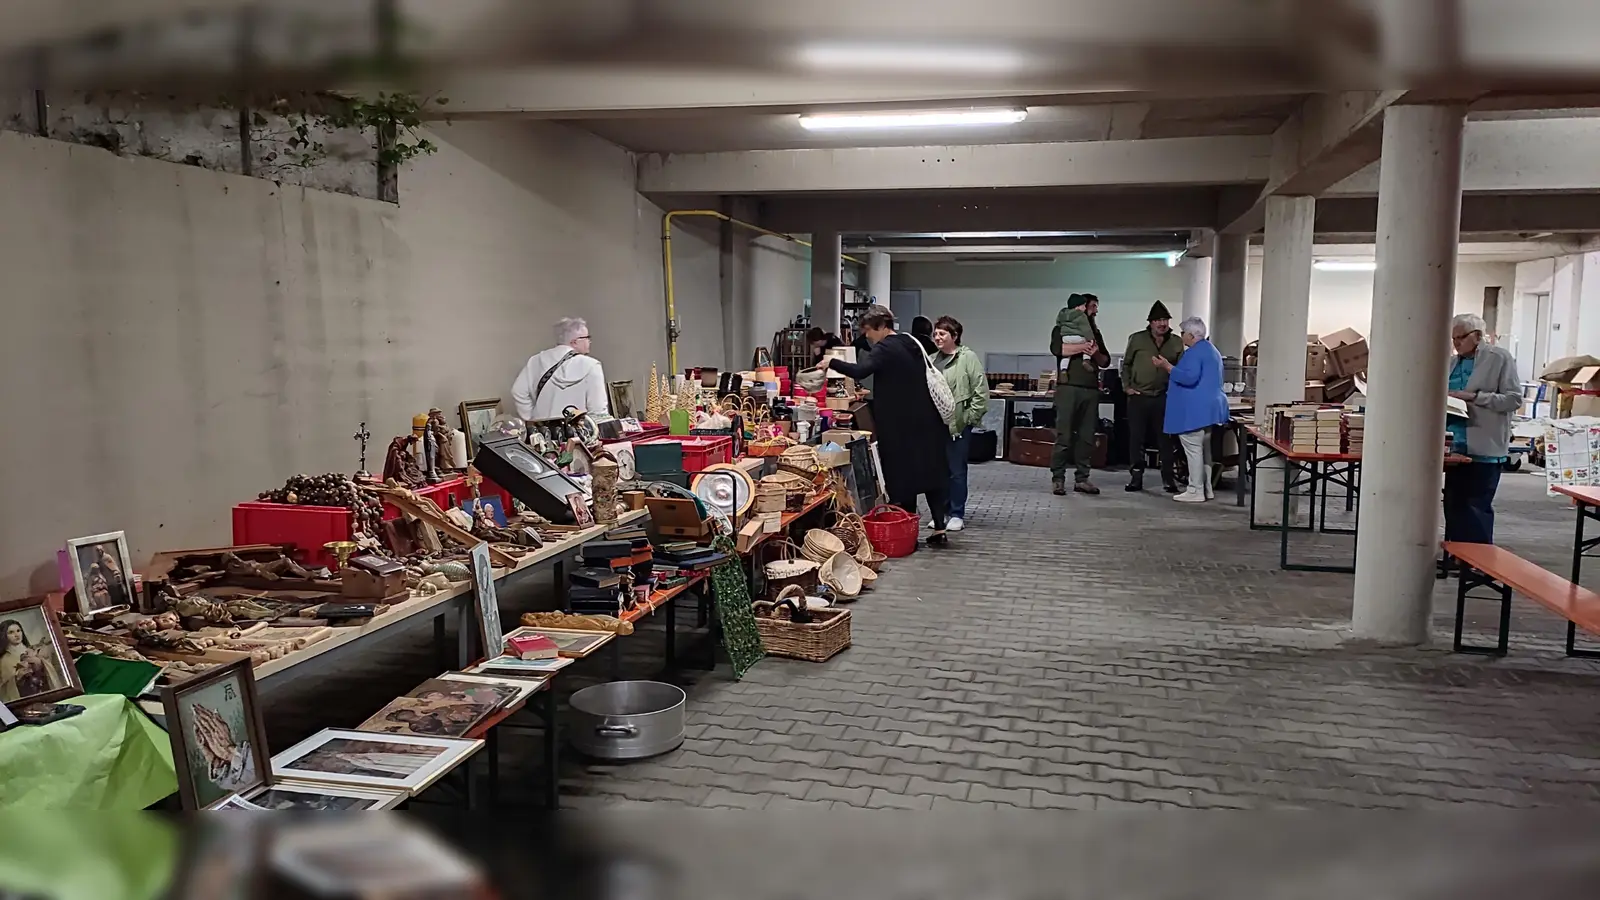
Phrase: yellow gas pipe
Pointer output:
(666, 266)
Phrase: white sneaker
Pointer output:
(1190, 496)
(955, 524)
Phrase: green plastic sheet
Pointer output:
(87, 855)
(109, 757)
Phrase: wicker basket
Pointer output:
(790, 570)
(820, 546)
(847, 528)
(800, 460)
(816, 641)
(842, 573)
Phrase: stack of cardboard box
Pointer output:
(1333, 363)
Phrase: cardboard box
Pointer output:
(1316, 360)
(1031, 446)
(1337, 390)
(1316, 392)
(1346, 353)
(841, 404)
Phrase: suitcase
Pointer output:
(982, 445)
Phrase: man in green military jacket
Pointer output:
(1145, 383)
(1077, 398)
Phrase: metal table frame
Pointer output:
(1314, 472)
(1588, 507)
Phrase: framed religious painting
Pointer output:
(102, 572)
(219, 740)
(476, 417)
(35, 664)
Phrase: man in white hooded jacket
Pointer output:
(565, 375)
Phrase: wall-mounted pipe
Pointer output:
(666, 266)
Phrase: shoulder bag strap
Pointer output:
(552, 372)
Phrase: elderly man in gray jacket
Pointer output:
(1485, 377)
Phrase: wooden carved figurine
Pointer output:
(400, 466)
(441, 433)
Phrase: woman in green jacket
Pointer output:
(963, 371)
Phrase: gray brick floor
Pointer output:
(1078, 653)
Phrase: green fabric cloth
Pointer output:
(120, 856)
(109, 757)
(963, 371)
(1138, 372)
(1077, 419)
(106, 675)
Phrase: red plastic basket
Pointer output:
(892, 531)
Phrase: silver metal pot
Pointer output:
(627, 719)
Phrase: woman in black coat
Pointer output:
(911, 436)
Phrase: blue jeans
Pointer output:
(956, 451)
(1469, 502)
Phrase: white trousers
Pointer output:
(1197, 448)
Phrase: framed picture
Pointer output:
(620, 394)
(476, 417)
(488, 604)
(494, 505)
(581, 516)
(440, 708)
(219, 741)
(102, 572)
(396, 762)
(518, 667)
(35, 665)
(285, 795)
(525, 687)
(573, 644)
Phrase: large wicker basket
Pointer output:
(815, 641)
(789, 570)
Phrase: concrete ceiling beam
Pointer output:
(1170, 161)
(1515, 156)
(1329, 138)
(1176, 210)
(1480, 213)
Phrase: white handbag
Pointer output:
(944, 400)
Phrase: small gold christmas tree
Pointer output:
(652, 404)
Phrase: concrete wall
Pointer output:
(1344, 299)
(779, 284)
(1572, 325)
(180, 339)
(1009, 308)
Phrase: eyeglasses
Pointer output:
(581, 337)
(1458, 338)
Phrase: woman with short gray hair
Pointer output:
(1195, 404)
(1485, 378)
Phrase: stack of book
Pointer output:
(596, 586)
(1330, 430)
(1303, 431)
(676, 563)
(1355, 426)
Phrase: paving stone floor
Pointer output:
(1076, 652)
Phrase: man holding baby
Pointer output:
(1080, 353)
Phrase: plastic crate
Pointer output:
(448, 494)
(698, 453)
(306, 527)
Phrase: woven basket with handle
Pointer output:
(789, 570)
(816, 641)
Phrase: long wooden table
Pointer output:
(404, 616)
(1314, 472)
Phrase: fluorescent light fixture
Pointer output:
(1334, 265)
(935, 119)
(1174, 257)
(908, 58)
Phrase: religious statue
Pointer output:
(363, 435)
(400, 466)
(443, 436)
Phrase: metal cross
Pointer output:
(363, 435)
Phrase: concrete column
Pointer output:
(1227, 293)
(1285, 315)
(1419, 220)
(826, 253)
(1197, 290)
(878, 276)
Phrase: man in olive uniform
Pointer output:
(1077, 397)
(1145, 383)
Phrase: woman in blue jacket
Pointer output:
(1195, 404)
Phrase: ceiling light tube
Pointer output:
(1334, 265)
(931, 119)
(911, 58)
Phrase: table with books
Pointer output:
(1321, 448)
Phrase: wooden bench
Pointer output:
(1485, 565)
